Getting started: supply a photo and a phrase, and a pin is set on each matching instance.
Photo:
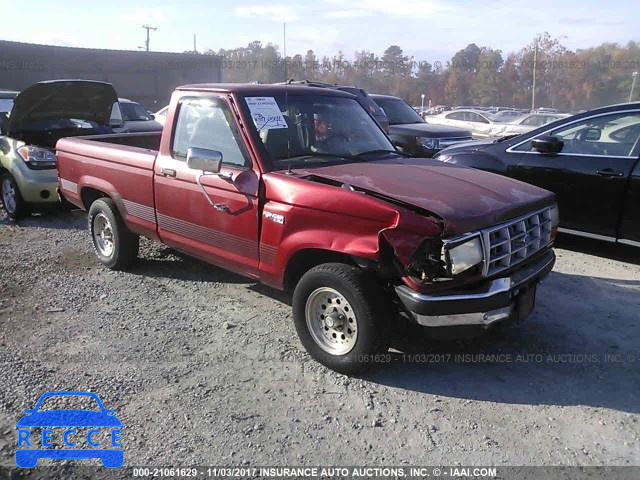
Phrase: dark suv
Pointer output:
(363, 99)
(412, 134)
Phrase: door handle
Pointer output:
(221, 207)
(608, 173)
(167, 172)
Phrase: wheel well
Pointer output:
(90, 195)
(304, 260)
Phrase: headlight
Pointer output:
(38, 157)
(444, 158)
(428, 143)
(464, 255)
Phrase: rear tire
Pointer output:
(114, 244)
(341, 317)
(12, 200)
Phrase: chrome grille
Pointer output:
(516, 240)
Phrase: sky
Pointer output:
(430, 30)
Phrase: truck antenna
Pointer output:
(286, 91)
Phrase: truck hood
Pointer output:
(61, 99)
(428, 130)
(466, 199)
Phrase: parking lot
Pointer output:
(204, 367)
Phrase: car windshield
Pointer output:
(48, 124)
(318, 129)
(134, 112)
(398, 111)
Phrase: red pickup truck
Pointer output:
(299, 188)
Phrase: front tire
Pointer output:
(341, 317)
(12, 200)
(114, 244)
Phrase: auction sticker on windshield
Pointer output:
(266, 113)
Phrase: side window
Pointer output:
(615, 134)
(478, 118)
(455, 116)
(532, 121)
(208, 123)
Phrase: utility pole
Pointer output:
(148, 28)
(633, 84)
(535, 64)
(195, 50)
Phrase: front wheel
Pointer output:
(114, 244)
(340, 317)
(12, 201)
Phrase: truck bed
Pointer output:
(119, 165)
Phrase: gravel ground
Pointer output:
(203, 367)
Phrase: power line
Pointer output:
(148, 29)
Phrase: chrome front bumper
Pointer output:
(505, 298)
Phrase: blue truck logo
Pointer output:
(71, 422)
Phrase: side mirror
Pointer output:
(203, 159)
(590, 134)
(547, 144)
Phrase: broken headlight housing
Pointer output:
(437, 260)
(463, 255)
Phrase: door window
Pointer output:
(208, 123)
(456, 116)
(605, 135)
(474, 117)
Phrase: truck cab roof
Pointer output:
(263, 89)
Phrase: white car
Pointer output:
(161, 115)
(479, 123)
(528, 122)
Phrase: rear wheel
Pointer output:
(114, 244)
(340, 317)
(12, 201)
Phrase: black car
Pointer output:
(410, 133)
(361, 95)
(590, 161)
(134, 118)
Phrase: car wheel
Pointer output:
(12, 200)
(340, 317)
(114, 244)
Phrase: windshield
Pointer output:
(398, 111)
(133, 112)
(316, 129)
(49, 124)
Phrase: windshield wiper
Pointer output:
(381, 151)
(506, 137)
(327, 155)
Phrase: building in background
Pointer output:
(146, 77)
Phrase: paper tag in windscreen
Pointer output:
(265, 113)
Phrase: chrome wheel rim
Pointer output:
(331, 321)
(9, 195)
(103, 235)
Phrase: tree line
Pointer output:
(564, 79)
